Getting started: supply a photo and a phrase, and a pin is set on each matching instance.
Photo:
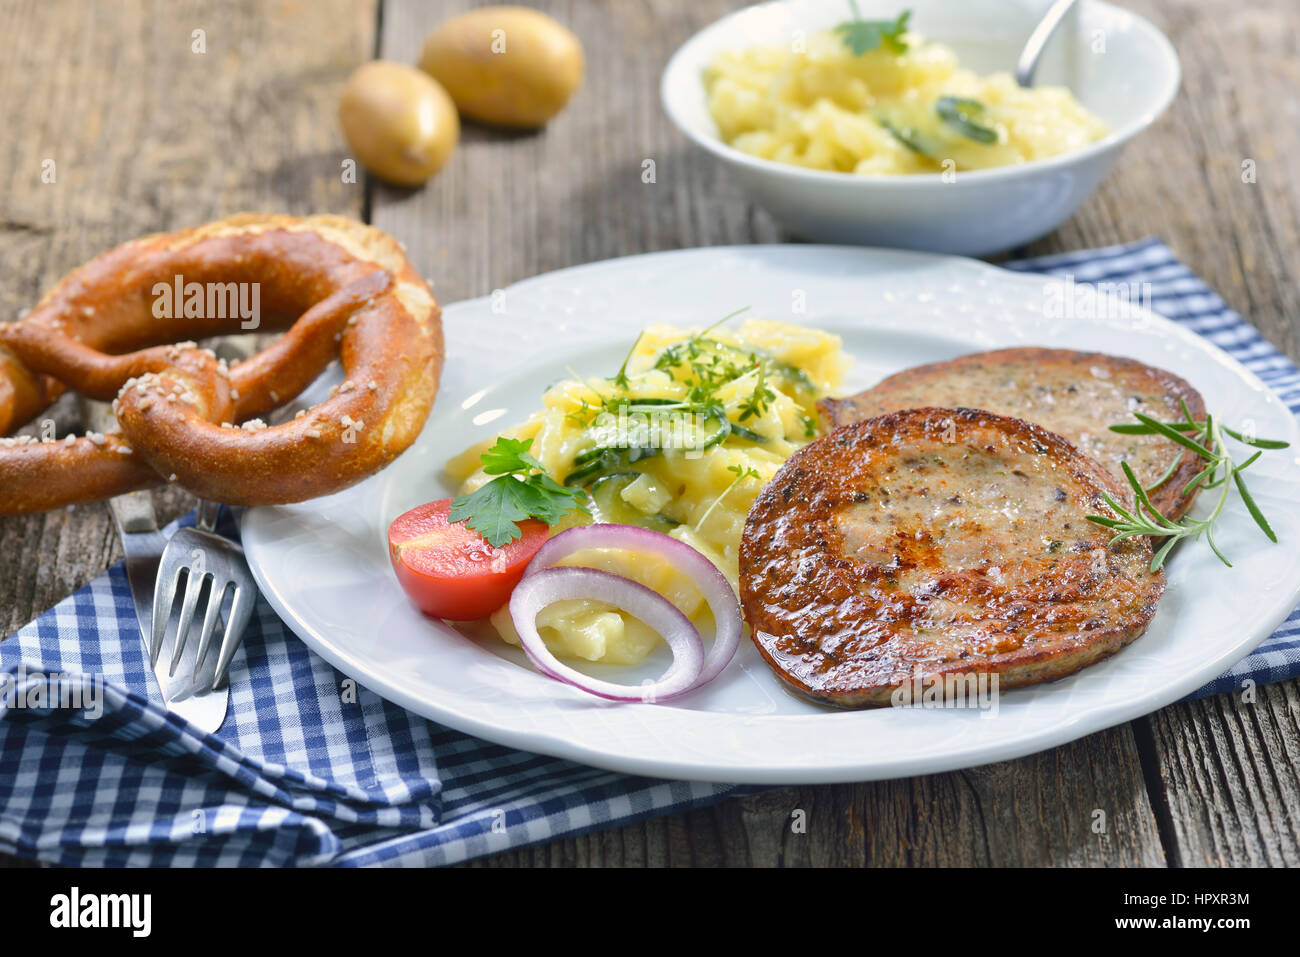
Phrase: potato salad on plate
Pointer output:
(678, 440)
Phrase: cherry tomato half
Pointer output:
(449, 570)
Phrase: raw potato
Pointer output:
(508, 66)
(398, 121)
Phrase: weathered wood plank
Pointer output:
(1084, 804)
(148, 135)
(1229, 770)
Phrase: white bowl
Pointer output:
(1128, 84)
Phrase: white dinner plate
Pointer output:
(324, 567)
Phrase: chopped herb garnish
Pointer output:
(761, 397)
(707, 368)
(522, 490)
(742, 472)
(620, 378)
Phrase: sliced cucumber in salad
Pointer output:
(605, 458)
(608, 504)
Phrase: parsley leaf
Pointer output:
(495, 510)
(556, 500)
(862, 36)
(510, 455)
(521, 490)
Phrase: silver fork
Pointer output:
(212, 565)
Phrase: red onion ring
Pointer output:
(717, 591)
(540, 588)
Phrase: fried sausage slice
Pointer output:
(1075, 394)
(938, 542)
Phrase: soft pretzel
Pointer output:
(339, 287)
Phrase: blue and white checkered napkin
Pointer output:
(300, 774)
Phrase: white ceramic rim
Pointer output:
(1255, 627)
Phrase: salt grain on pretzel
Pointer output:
(95, 332)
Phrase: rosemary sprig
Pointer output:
(1208, 440)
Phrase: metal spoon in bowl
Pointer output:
(1037, 41)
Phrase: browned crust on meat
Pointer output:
(920, 386)
(843, 630)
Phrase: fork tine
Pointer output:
(241, 610)
(194, 584)
(215, 597)
(164, 596)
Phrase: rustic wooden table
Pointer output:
(147, 134)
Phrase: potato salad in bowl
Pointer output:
(873, 98)
(899, 124)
